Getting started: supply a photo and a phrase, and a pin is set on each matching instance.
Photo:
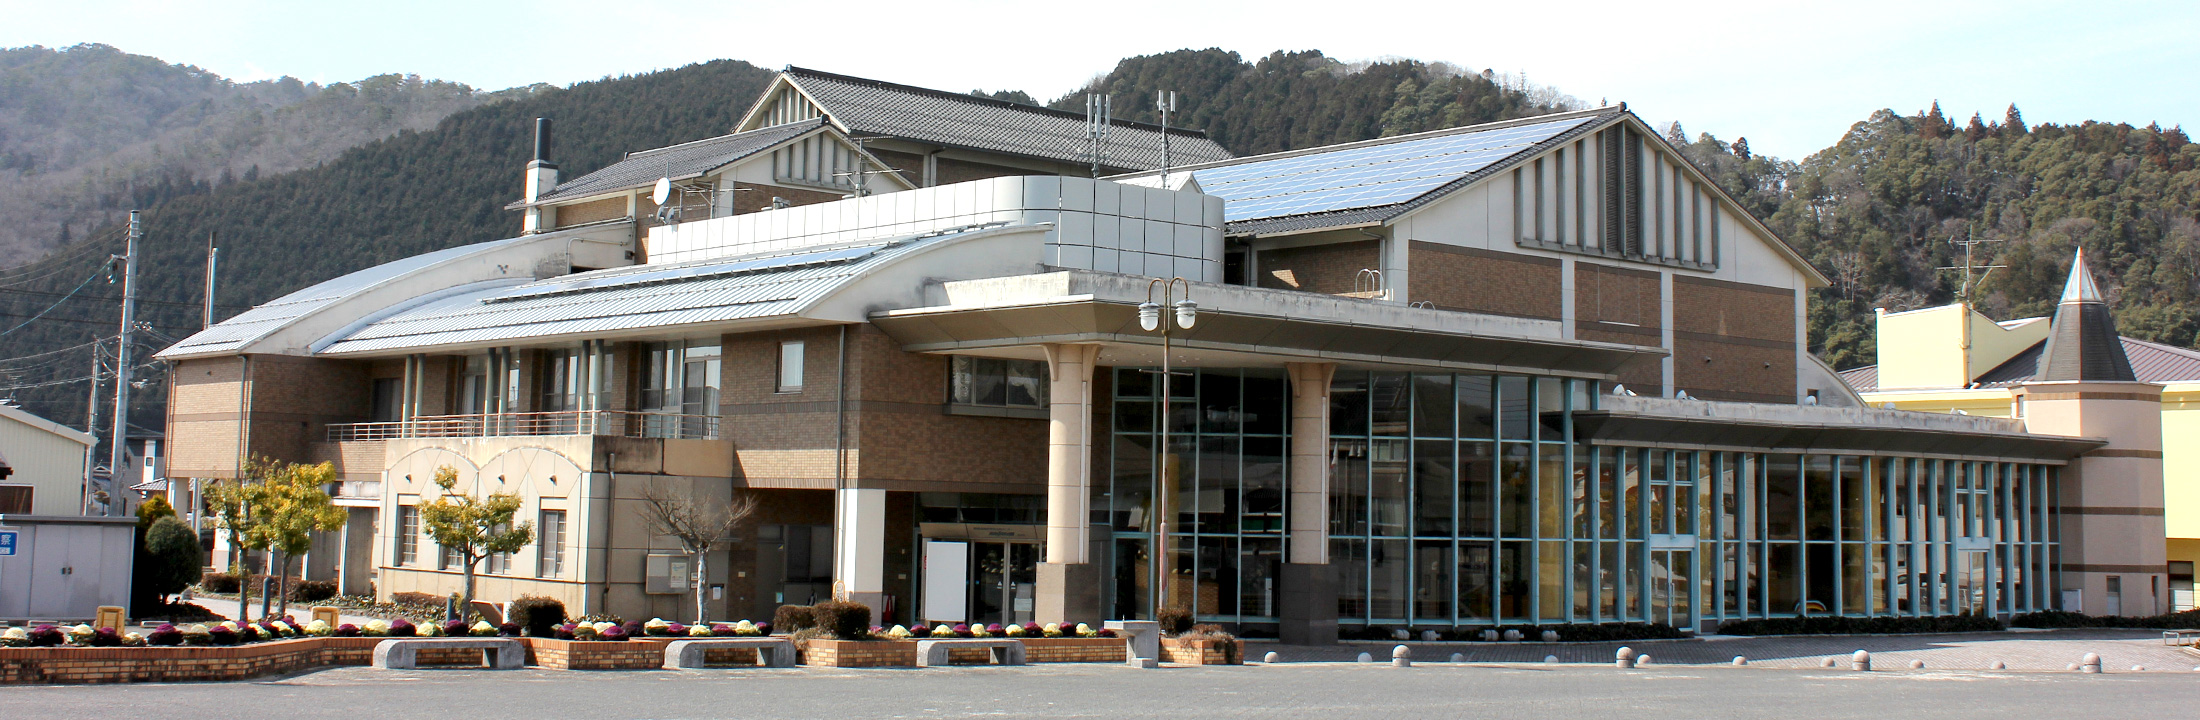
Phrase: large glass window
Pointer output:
(996, 382)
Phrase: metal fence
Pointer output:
(614, 423)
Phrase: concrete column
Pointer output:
(1308, 591)
(2112, 520)
(1069, 582)
(859, 561)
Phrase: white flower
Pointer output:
(15, 633)
(699, 631)
(376, 626)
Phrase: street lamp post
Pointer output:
(1149, 317)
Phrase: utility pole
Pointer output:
(213, 261)
(1165, 101)
(91, 426)
(121, 449)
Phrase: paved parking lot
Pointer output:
(1298, 690)
(1689, 678)
(2019, 650)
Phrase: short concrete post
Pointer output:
(1512, 636)
(1861, 661)
(1625, 658)
(1550, 659)
(2138, 668)
(1917, 664)
(1458, 657)
(1826, 663)
(1739, 660)
(1272, 657)
(1641, 660)
(1999, 665)
(1489, 636)
(2090, 664)
(1429, 636)
(1401, 656)
(1550, 636)
(1366, 658)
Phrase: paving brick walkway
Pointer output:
(2019, 650)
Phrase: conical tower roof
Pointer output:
(2083, 343)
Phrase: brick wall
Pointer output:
(71, 665)
(1484, 281)
(597, 654)
(1622, 305)
(846, 653)
(609, 208)
(1733, 341)
(1329, 269)
(203, 397)
(293, 400)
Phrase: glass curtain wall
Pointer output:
(1459, 500)
(1226, 469)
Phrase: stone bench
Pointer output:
(1142, 641)
(1006, 651)
(775, 652)
(2180, 637)
(403, 653)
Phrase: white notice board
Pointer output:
(946, 579)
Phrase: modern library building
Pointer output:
(1539, 371)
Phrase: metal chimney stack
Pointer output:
(542, 177)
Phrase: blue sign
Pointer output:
(7, 543)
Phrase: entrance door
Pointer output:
(1672, 596)
(1004, 580)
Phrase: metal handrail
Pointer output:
(613, 423)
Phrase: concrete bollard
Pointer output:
(1512, 636)
(1272, 657)
(1999, 665)
(1861, 661)
(1625, 658)
(1489, 636)
(1826, 663)
(1401, 634)
(1401, 656)
(1641, 660)
(1550, 636)
(1550, 659)
(1366, 658)
(1429, 636)
(1458, 657)
(2090, 664)
(1739, 660)
(2138, 668)
(1917, 664)
(2073, 667)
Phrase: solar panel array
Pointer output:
(688, 273)
(1365, 177)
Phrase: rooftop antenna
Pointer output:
(1963, 292)
(1099, 124)
(1165, 101)
(858, 175)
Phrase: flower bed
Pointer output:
(595, 654)
(1202, 652)
(24, 665)
(858, 653)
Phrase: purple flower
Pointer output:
(106, 637)
(347, 630)
(563, 632)
(676, 630)
(721, 630)
(455, 628)
(165, 635)
(402, 628)
(614, 634)
(222, 635)
(919, 630)
(763, 628)
(1106, 633)
(962, 629)
(995, 628)
(1034, 629)
(508, 630)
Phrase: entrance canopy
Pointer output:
(1239, 327)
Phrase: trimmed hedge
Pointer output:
(1174, 621)
(846, 620)
(1528, 633)
(790, 618)
(539, 616)
(1837, 625)
(2187, 620)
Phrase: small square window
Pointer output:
(790, 366)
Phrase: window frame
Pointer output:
(800, 357)
(550, 546)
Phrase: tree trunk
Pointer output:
(282, 587)
(701, 577)
(244, 580)
(471, 561)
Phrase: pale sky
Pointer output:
(1792, 77)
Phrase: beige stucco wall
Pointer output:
(48, 458)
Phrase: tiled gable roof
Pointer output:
(642, 169)
(872, 107)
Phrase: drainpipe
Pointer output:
(611, 493)
(840, 460)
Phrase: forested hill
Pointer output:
(1878, 212)
(88, 132)
(1875, 211)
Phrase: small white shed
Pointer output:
(65, 566)
(45, 463)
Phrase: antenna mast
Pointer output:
(1099, 124)
(1165, 101)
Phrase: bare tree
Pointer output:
(699, 525)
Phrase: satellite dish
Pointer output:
(662, 192)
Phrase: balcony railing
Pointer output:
(614, 423)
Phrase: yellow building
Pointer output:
(1954, 359)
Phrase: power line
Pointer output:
(177, 303)
(86, 249)
(57, 303)
(57, 352)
